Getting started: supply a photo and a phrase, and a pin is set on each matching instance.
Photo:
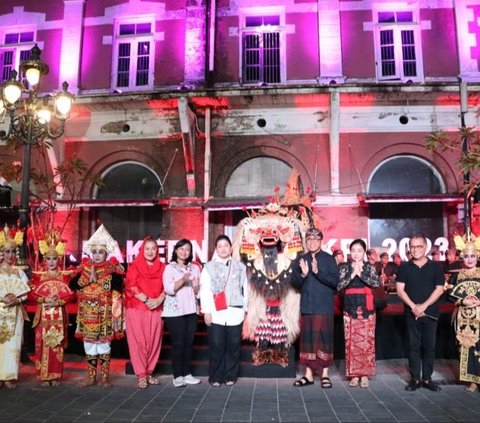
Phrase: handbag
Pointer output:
(220, 298)
(380, 297)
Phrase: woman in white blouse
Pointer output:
(224, 325)
(181, 284)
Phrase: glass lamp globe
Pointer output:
(63, 103)
(33, 76)
(11, 93)
(44, 115)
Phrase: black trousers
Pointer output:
(182, 333)
(422, 337)
(224, 352)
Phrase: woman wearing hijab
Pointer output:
(144, 296)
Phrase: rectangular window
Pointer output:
(133, 59)
(17, 49)
(396, 49)
(262, 50)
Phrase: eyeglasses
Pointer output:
(416, 247)
(469, 256)
(313, 239)
(98, 251)
(9, 251)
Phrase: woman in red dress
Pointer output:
(144, 297)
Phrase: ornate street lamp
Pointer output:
(30, 119)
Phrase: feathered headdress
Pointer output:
(101, 238)
(467, 243)
(51, 243)
(11, 237)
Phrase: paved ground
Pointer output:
(250, 400)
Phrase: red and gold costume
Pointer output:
(100, 312)
(50, 322)
(100, 316)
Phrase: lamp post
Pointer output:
(465, 148)
(30, 120)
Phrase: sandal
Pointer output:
(303, 381)
(153, 380)
(364, 382)
(473, 387)
(142, 383)
(230, 382)
(10, 385)
(353, 382)
(326, 382)
(215, 384)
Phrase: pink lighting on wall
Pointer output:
(474, 28)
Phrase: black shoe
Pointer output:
(429, 384)
(413, 386)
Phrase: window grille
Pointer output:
(396, 47)
(133, 61)
(262, 50)
(17, 49)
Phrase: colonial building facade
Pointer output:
(192, 110)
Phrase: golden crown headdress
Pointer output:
(101, 238)
(51, 243)
(11, 237)
(467, 242)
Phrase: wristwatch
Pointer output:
(146, 300)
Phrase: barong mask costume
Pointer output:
(267, 242)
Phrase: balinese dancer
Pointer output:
(466, 294)
(100, 310)
(267, 242)
(13, 291)
(357, 278)
(51, 292)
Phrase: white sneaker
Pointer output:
(190, 380)
(179, 382)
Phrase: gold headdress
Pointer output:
(11, 237)
(467, 244)
(101, 238)
(51, 243)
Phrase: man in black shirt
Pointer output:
(315, 274)
(420, 285)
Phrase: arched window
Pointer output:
(403, 201)
(129, 180)
(406, 175)
(257, 177)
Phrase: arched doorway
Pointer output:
(134, 214)
(408, 199)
